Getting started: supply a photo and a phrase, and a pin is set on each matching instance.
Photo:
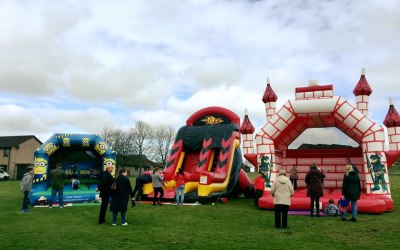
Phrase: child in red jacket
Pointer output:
(179, 187)
(259, 185)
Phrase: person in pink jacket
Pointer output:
(179, 187)
(282, 191)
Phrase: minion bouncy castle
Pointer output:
(208, 150)
(317, 107)
(82, 156)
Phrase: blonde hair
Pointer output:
(282, 172)
(349, 168)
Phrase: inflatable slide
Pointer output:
(82, 156)
(207, 149)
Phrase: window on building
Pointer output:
(6, 152)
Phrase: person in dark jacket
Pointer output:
(57, 177)
(351, 190)
(140, 181)
(104, 187)
(314, 180)
(119, 199)
(355, 169)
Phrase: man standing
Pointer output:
(57, 177)
(26, 187)
(104, 188)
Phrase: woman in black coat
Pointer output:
(314, 180)
(351, 191)
(120, 197)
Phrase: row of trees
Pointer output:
(143, 139)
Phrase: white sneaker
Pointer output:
(114, 224)
(50, 207)
(125, 224)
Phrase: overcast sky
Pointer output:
(78, 66)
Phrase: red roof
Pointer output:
(362, 87)
(246, 127)
(392, 118)
(269, 95)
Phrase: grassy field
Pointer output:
(234, 225)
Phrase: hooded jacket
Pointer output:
(351, 187)
(282, 190)
(26, 182)
(314, 180)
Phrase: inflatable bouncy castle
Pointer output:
(82, 156)
(208, 150)
(318, 107)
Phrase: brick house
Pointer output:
(16, 154)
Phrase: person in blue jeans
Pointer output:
(351, 191)
(57, 177)
(26, 187)
(179, 179)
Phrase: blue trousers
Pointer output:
(353, 210)
(115, 215)
(180, 194)
(60, 197)
(25, 201)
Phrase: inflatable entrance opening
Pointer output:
(82, 156)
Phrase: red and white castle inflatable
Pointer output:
(317, 107)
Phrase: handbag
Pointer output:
(113, 187)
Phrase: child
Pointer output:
(75, 182)
(331, 209)
(259, 185)
(342, 203)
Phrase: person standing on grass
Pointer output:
(57, 177)
(104, 187)
(259, 185)
(26, 188)
(179, 187)
(314, 180)
(158, 182)
(294, 175)
(119, 200)
(351, 191)
(282, 191)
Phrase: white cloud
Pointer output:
(80, 65)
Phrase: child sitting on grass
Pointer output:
(331, 209)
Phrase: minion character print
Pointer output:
(66, 142)
(85, 142)
(101, 148)
(50, 148)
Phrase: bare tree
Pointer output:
(163, 138)
(121, 141)
(142, 135)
